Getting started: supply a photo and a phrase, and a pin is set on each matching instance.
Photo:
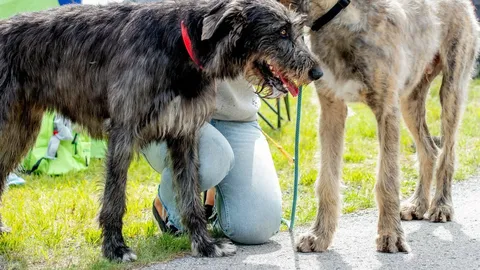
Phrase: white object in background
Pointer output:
(63, 132)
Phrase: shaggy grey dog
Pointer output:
(385, 54)
(138, 73)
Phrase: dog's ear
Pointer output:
(217, 16)
(299, 6)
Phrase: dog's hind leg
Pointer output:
(119, 157)
(413, 110)
(184, 159)
(17, 134)
(327, 187)
(458, 61)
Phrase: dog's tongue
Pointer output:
(290, 86)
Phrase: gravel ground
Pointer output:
(453, 245)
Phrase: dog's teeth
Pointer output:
(284, 86)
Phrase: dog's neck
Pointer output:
(349, 15)
(330, 14)
(187, 41)
(215, 56)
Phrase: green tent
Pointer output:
(56, 154)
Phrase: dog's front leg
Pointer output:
(332, 129)
(120, 152)
(184, 161)
(385, 105)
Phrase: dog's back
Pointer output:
(406, 33)
(430, 28)
(41, 56)
(82, 60)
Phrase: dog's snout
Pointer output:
(315, 73)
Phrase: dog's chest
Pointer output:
(348, 90)
(181, 116)
(340, 68)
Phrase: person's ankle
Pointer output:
(160, 209)
(210, 197)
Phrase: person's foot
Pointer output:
(14, 180)
(209, 202)
(161, 217)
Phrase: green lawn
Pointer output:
(54, 224)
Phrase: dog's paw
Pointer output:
(217, 248)
(439, 213)
(224, 248)
(4, 229)
(413, 209)
(129, 257)
(392, 243)
(309, 242)
(120, 254)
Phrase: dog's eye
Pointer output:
(284, 33)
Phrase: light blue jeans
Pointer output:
(235, 158)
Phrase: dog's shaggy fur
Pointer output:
(122, 71)
(385, 53)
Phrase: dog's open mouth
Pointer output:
(277, 81)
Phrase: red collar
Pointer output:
(188, 45)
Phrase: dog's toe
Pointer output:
(440, 213)
(4, 229)
(392, 243)
(119, 254)
(129, 257)
(217, 248)
(413, 210)
(225, 248)
(308, 242)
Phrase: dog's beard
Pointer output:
(263, 89)
(269, 81)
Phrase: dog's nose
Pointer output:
(315, 73)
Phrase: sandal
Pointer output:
(210, 213)
(164, 225)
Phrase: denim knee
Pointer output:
(254, 227)
(216, 158)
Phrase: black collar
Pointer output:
(327, 17)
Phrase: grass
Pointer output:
(53, 219)
(54, 225)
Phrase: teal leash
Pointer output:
(296, 159)
(291, 223)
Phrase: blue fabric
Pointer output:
(66, 2)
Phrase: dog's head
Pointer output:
(265, 39)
